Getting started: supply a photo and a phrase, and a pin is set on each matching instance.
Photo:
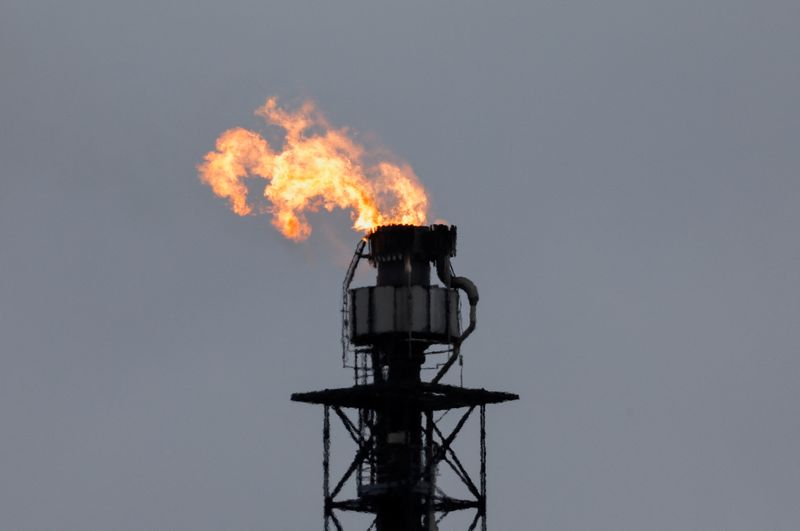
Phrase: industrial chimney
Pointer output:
(392, 332)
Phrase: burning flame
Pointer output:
(317, 166)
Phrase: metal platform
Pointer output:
(423, 395)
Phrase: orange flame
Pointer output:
(317, 167)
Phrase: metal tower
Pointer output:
(391, 333)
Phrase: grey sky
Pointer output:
(625, 176)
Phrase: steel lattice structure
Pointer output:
(388, 334)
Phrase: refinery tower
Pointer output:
(400, 338)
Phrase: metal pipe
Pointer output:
(444, 271)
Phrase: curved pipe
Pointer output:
(445, 273)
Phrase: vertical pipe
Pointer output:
(430, 471)
(399, 447)
(483, 466)
(326, 453)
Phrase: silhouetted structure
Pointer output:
(389, 331)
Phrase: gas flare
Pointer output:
(317, 166)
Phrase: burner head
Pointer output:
(403, 253)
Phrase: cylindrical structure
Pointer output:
(425, 313)
(399, 318)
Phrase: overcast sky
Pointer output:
(625, 176)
